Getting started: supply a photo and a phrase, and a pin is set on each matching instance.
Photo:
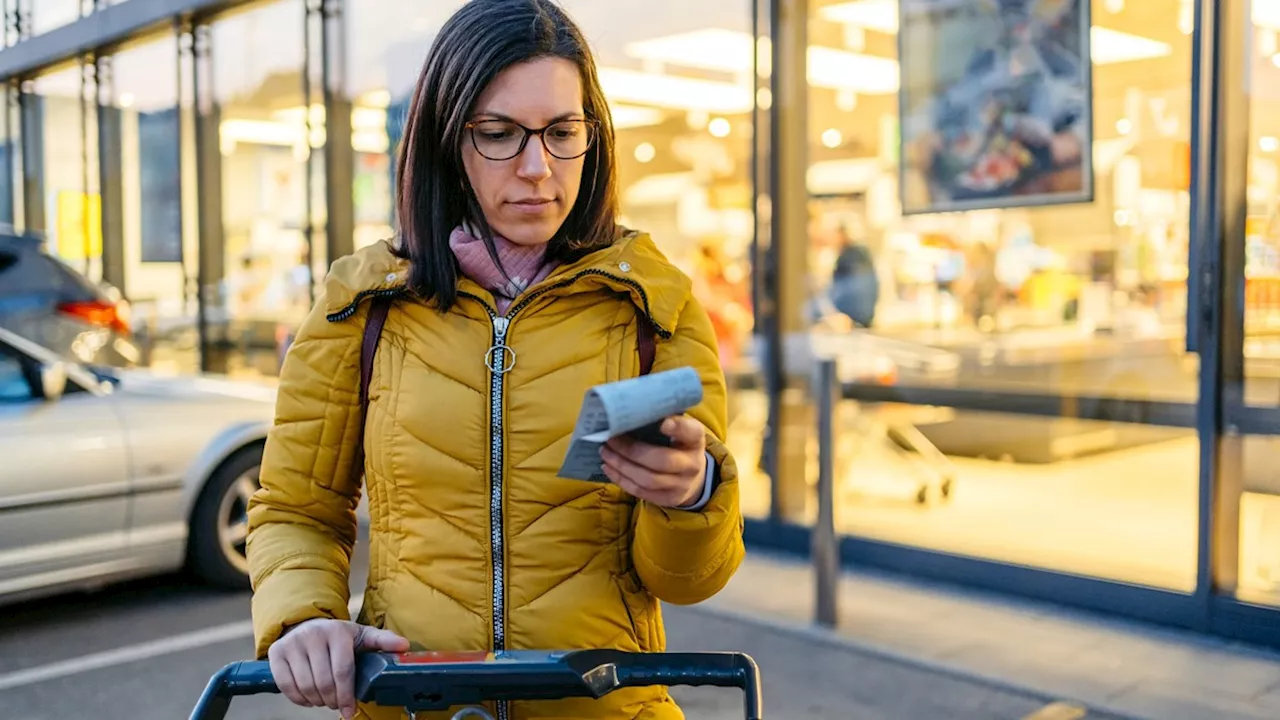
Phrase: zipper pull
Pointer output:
(496, 357)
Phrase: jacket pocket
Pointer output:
(636, 603)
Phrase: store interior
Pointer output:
(1085, 298)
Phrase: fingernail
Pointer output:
(348, 713)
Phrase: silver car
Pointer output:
(107, 474)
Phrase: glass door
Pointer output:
(1243, 565)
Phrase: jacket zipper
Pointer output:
(496, 360)
(351, 307)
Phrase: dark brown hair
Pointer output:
(478, 42)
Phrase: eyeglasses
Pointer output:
(504, 139)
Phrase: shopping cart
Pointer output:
(423, 681)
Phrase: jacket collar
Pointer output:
(633, 265)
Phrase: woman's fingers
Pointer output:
(643, 477)
(283, 675)
(320, 660)
(665, 489)
(372, 638)
(300, 665)
(342, 662)
(685, 432)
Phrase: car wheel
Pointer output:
(220, 524)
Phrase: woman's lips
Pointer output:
(533, 206)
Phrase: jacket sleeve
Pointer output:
(302, 522)
(686, 556)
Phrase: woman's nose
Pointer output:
(534, 163)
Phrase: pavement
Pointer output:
(144, 651)
(1085, 661)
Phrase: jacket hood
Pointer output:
(633, 264)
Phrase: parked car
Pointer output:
(46, 301)
(109, 473)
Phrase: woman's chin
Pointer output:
(530, 232)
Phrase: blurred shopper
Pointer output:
(855, 286)
(514, 291)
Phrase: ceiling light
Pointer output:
(832, 138)
(1269, 144)
(878, 15)
(1266, 13)
(1113, 46)
(1124, 126)
(707, 49)
(729, 51)
(645, 152)
(719, 127)
(670, 91)
(626, 117)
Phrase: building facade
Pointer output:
(1067, 400)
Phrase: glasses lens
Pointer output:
(568, 139)
(496, 139)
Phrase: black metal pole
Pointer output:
(826, 545)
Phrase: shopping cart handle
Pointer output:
(423, 681)
(238, 678)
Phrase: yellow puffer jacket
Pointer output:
(474, 541)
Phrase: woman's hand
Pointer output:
(314, 664)
(666, 476)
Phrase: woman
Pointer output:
(513, 291)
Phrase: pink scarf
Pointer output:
(525, 265)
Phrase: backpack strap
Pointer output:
(645, 343)
(368, 348)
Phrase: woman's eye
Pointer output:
(495, 134)
(566, 133)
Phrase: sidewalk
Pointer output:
(1107, 666)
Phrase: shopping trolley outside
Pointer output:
(425, 681)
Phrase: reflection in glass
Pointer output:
(157, 265)
(1055, 493)
(1058, 301)
(1258, 578)
(1262, 222)
(73, 205)
(266, 134)
(1083, 298)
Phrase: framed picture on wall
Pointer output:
(996, 104)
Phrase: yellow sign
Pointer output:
(79, 225)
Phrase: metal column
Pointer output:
(790, 408)
(111, 175)
(339, 156)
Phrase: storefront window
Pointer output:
(67, 112)
(678, 80)
(1256, 511)
(46, 15)
(159, 268)
(266, 135)
(10, 158)
(993, 215)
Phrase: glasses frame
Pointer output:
(592, 125)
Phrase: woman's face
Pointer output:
(527, 198)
